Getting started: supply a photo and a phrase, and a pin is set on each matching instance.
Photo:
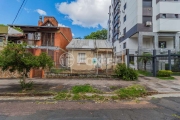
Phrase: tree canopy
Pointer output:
(16, 57)
(100, 34)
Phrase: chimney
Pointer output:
(40, 22)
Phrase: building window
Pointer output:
(124, 45)
(162, 44)
(48, 39)
(147, 3)
(163, 15)
(176, 16)
(114, 49)
(125, 18)
(125, 6)
(81, 58)
(124, 31)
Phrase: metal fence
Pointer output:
(160, 60)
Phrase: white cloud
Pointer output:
(86, 13)
(27, 10)
(73, 34)
(41, 12)
(61, 25)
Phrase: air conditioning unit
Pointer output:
(37, 36)
(148, 23)
(19, 42)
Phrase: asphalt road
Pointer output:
(155, 109)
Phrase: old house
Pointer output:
(46, 37)
(90, 55)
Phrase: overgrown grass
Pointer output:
(131, 92)
(84, 89)
(166, 78)
(78, 93)
(62, 96)
(145, 73)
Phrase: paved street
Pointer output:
(155, 109)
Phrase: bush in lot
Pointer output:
(125, 73)
(131, 92)
(164, 73)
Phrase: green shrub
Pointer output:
(25, 86)
(125, 73)
(131, 92)
(83, 89)
(164, 73)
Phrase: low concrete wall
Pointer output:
(8, 74)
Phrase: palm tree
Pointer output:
(146, 57)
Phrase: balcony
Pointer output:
(168, 25)
(116, 3)
(168, 7)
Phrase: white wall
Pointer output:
(167, 24)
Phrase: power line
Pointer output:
(18, 11)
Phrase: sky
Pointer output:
(82, 16)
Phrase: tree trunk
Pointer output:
(24, 76)
(144, 66)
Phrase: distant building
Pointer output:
(89, 55)
(9, 34)
(46, 37)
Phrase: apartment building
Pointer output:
(144, 25)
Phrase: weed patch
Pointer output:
(131, 92)
(84, 89)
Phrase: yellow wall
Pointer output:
(90, 54)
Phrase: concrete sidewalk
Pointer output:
(161, 86)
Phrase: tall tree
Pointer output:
(15, 57)
(100, 34)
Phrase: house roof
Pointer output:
(89, 44)
(31, 28)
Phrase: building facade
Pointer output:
(144, 25)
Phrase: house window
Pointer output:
(162, 44)
(125, 18)
(125, 6)
(124, 45)
(48, 39)
(81, 57)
